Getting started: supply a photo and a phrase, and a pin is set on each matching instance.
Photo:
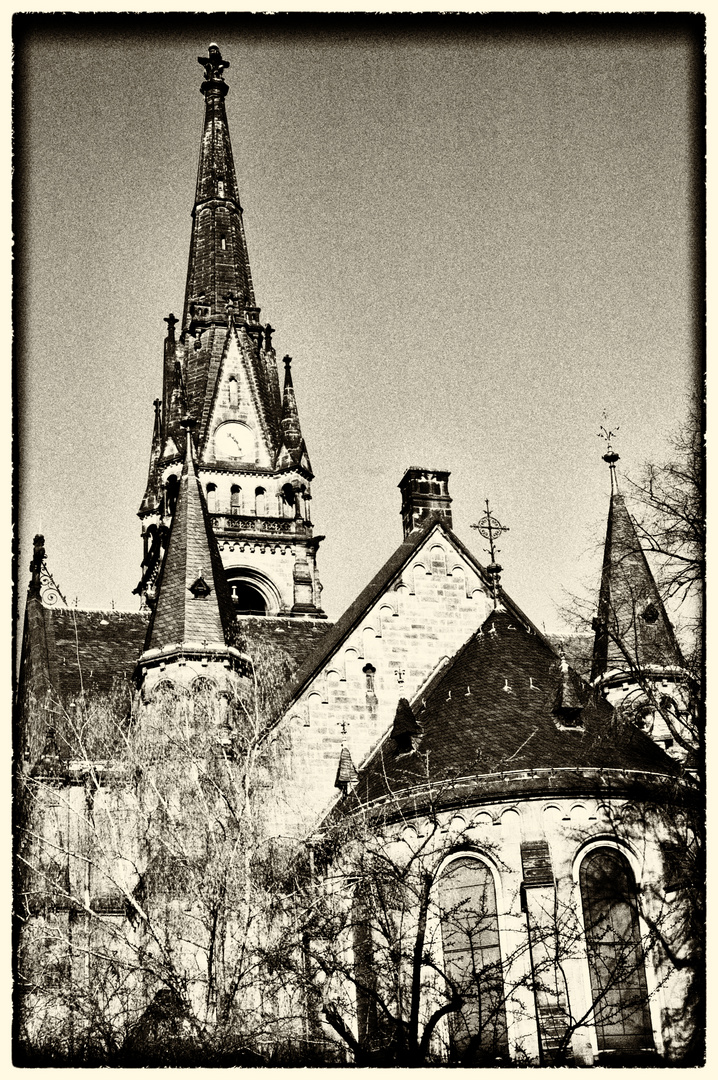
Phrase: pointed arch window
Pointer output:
(233, 393)
(472, 961)
(212, 498)
(615, 952)
(220, 188)
(260, 502)
(235, 499)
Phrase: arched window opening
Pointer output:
(438, 560)
(472, 961)
(233, 393)
(246, 599)
(212, 498)
(220, 188)
(171, 493)
(260, 502)
(615, 952)
(224, 243)
(235, 499)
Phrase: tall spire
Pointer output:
(218, 263)
(193, 599)
(633, 632)
(221, 368)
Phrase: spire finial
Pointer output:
(490, 527)
(610, 457)
(171, 323)
(214, 67)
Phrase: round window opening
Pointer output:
(246, 599)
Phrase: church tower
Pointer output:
(220, 368)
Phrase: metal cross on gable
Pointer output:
(491, 528)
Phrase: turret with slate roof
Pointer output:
(221, 368)
(193, 618)
(635, 650)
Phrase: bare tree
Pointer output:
(140, 908)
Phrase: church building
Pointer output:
(540, 797)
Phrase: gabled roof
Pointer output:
(496, 709)
(193, 598)
(632, 629)
(389, 572)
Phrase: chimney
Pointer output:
(424, 493)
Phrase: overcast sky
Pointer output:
(473, 237)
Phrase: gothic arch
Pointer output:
(253, 592)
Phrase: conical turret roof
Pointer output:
(633, 632)
(193, 598)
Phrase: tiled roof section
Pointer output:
(298, 638)
(94, 649)
(632, 628)
(376, 587)
(185, 610)
(494, 710)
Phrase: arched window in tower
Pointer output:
(235, 499)
(260, 502)
(220, 188)
(233, 393)
(171, 493)
(212, 498)
(224, 243)
(472, 960)
(615, 952)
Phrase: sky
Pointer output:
(474, 236)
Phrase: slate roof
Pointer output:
(632, 628)
(193, 597)
(93, 649)
(300, 639)
(494, 710)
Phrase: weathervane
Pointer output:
(610, 457)
(491, 528)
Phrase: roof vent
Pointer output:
(405, 731)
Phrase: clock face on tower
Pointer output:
(234, 440)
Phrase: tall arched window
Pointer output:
(260, 502)
(233, 393)
(235, 499)
(171, 493)
(615, 953)
(212, 498)
(472, 961)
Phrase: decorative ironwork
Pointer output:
(610, 457)
(491, 528)
(49, 592)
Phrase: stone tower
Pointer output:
(220, 368)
